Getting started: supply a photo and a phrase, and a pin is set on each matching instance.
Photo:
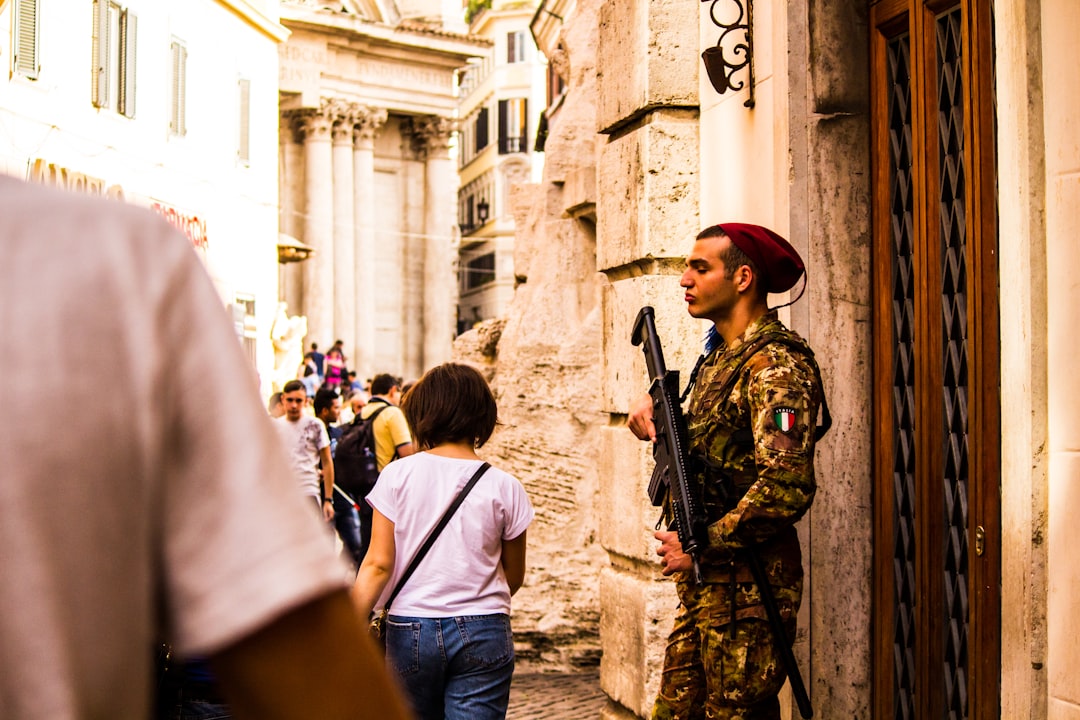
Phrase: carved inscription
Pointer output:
(300, 66)
(401, 75)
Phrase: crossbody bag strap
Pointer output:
(435, 532)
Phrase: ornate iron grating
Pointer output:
(903, 306)
(953, 232)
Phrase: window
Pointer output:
(243, 315)
(243, 150)
(513, 132)
(113, 78)
(515, 47)
(178, 97)
(556, 85)
(25, 39)
(482, 133)
(480, 271)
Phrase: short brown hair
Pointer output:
(450, 403)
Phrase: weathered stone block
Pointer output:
(839, 73)
(635, 618)
(579, 191)
(624, 377)
(629, 516)
(649, 207)
(646, 57)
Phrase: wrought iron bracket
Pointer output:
(733, 51)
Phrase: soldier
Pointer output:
(751, 419)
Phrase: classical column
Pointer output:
(440, 256)
(368, 123)
(343, 115)
(314, 127)
(291, 211)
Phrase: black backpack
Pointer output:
(355, 466)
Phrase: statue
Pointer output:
(287, 334)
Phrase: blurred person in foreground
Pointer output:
(448, 634)
(169, 509)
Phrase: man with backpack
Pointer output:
(378, 435)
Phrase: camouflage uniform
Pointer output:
(752, 415)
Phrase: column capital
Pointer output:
(342, 115)
(429, 135)
(368, 122)
(309, 124)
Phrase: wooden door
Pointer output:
(936, 402)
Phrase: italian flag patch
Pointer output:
(784, 418)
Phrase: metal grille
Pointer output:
(903, 311)
(952, 228)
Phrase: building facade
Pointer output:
(501, 104)
(367, 183)
(162, 104)
(922, 158)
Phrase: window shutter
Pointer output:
(483, 135)
(503, 108)
(523, 143)
(128, 24)
(26, 38)
(177, 120)
(244, 149)
(100, 81)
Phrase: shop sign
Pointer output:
(62, 177)
(48, 173)
(192, 226)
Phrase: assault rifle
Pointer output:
(672, 478)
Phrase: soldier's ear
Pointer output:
(744, 277)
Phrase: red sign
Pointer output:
(191, 225)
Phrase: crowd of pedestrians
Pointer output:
(447, 637)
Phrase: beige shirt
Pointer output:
(162, 497)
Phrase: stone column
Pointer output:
(342, 115)
(314, 128)
(368, 123)
(440, 256)
(291, 213)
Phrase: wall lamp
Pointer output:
(482, 210)
(730, 56)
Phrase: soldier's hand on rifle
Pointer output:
(641, 418)
(672, 557)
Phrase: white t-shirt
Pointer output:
(162, 498)
(303, 440)
(461, 574)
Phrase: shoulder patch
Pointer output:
(784, 417)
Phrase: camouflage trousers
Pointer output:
(716, 670)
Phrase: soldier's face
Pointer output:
(708, 293)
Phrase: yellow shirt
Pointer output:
(391, 430)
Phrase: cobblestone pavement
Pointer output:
(556, 696)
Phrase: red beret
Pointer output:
(778, 262)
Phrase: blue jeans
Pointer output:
(456, 668)
(347, 524)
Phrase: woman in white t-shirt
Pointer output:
(448, 635)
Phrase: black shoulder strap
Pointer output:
(372, 416)
(430, 540)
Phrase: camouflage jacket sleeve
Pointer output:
(781, 393)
